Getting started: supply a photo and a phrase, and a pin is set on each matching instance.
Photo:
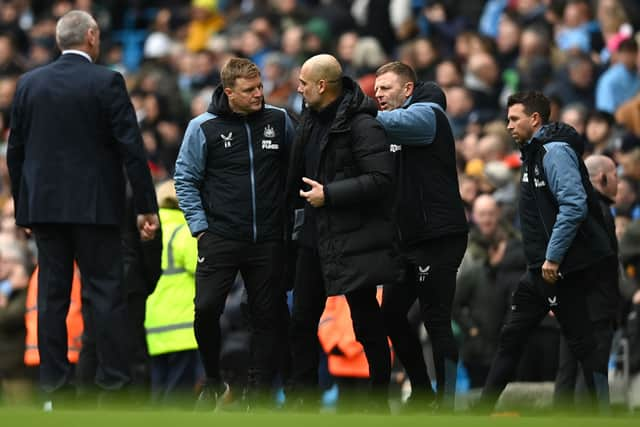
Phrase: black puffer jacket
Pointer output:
(355, 229)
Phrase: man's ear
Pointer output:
(322, 86)
(603, 180)
(92, 36)
(408, 89)
(227, 91)
(536, 120)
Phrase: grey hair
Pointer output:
(72, 28)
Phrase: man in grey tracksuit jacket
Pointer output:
(431, 226)
(229, 177)
(565, 244)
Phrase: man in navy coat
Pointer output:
(73, 135)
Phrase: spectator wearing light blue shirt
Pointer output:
(621, 81)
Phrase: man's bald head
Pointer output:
(320, 81)
(602, 174)
(485, 201)
(324, 66)
(598, 163)
(486, 214)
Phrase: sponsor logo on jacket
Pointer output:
(227, 139)
(538, 180)
(269, 132)
(423, 272)
(267, 144)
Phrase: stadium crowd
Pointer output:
(582, 54)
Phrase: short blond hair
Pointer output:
(237, 68)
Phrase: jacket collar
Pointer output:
(75, 52)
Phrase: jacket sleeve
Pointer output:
(189, 177)
(188, 249)
(563, 177)
(374, 164)
(126, 133)
(15, 146)
(412, 126)
(151, 254)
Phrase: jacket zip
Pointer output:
(253, 181)
(532, 184)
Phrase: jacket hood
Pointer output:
(559, 132)
(354, 101)
(429, 92)
(220, 103)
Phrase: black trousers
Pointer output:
(570, 379)
(431, 278)
(219, 261)
(532, 300)
(539, 360)
(309, 298)
(98, 250)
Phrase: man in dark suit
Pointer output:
(73, 133)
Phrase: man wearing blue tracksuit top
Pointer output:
(229, 178)
(565, 243)
(431, 224)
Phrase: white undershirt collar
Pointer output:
(77, 52)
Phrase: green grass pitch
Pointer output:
(165, 418)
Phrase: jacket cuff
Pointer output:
(195, 233)
(327, 195)
(553, 256)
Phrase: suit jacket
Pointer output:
(73, 128)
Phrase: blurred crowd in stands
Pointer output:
(583, 54)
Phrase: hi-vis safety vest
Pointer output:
(170, 309)
(75, 325)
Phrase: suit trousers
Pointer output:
(98, 251)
